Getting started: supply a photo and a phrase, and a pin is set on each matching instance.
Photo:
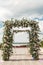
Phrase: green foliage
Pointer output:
(33, 37)
(0, 45)
(7, 40)
(34, 41)
(41, 44)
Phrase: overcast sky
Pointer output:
(31, 9)
(20, 8)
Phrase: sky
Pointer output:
(31, 9)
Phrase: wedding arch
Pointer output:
(33, 36)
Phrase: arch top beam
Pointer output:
(21, 30)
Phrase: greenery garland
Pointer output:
(34, 41)
(8, 37)
(7, 40)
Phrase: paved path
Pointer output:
(21, 56)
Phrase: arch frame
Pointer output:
(33, 37)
